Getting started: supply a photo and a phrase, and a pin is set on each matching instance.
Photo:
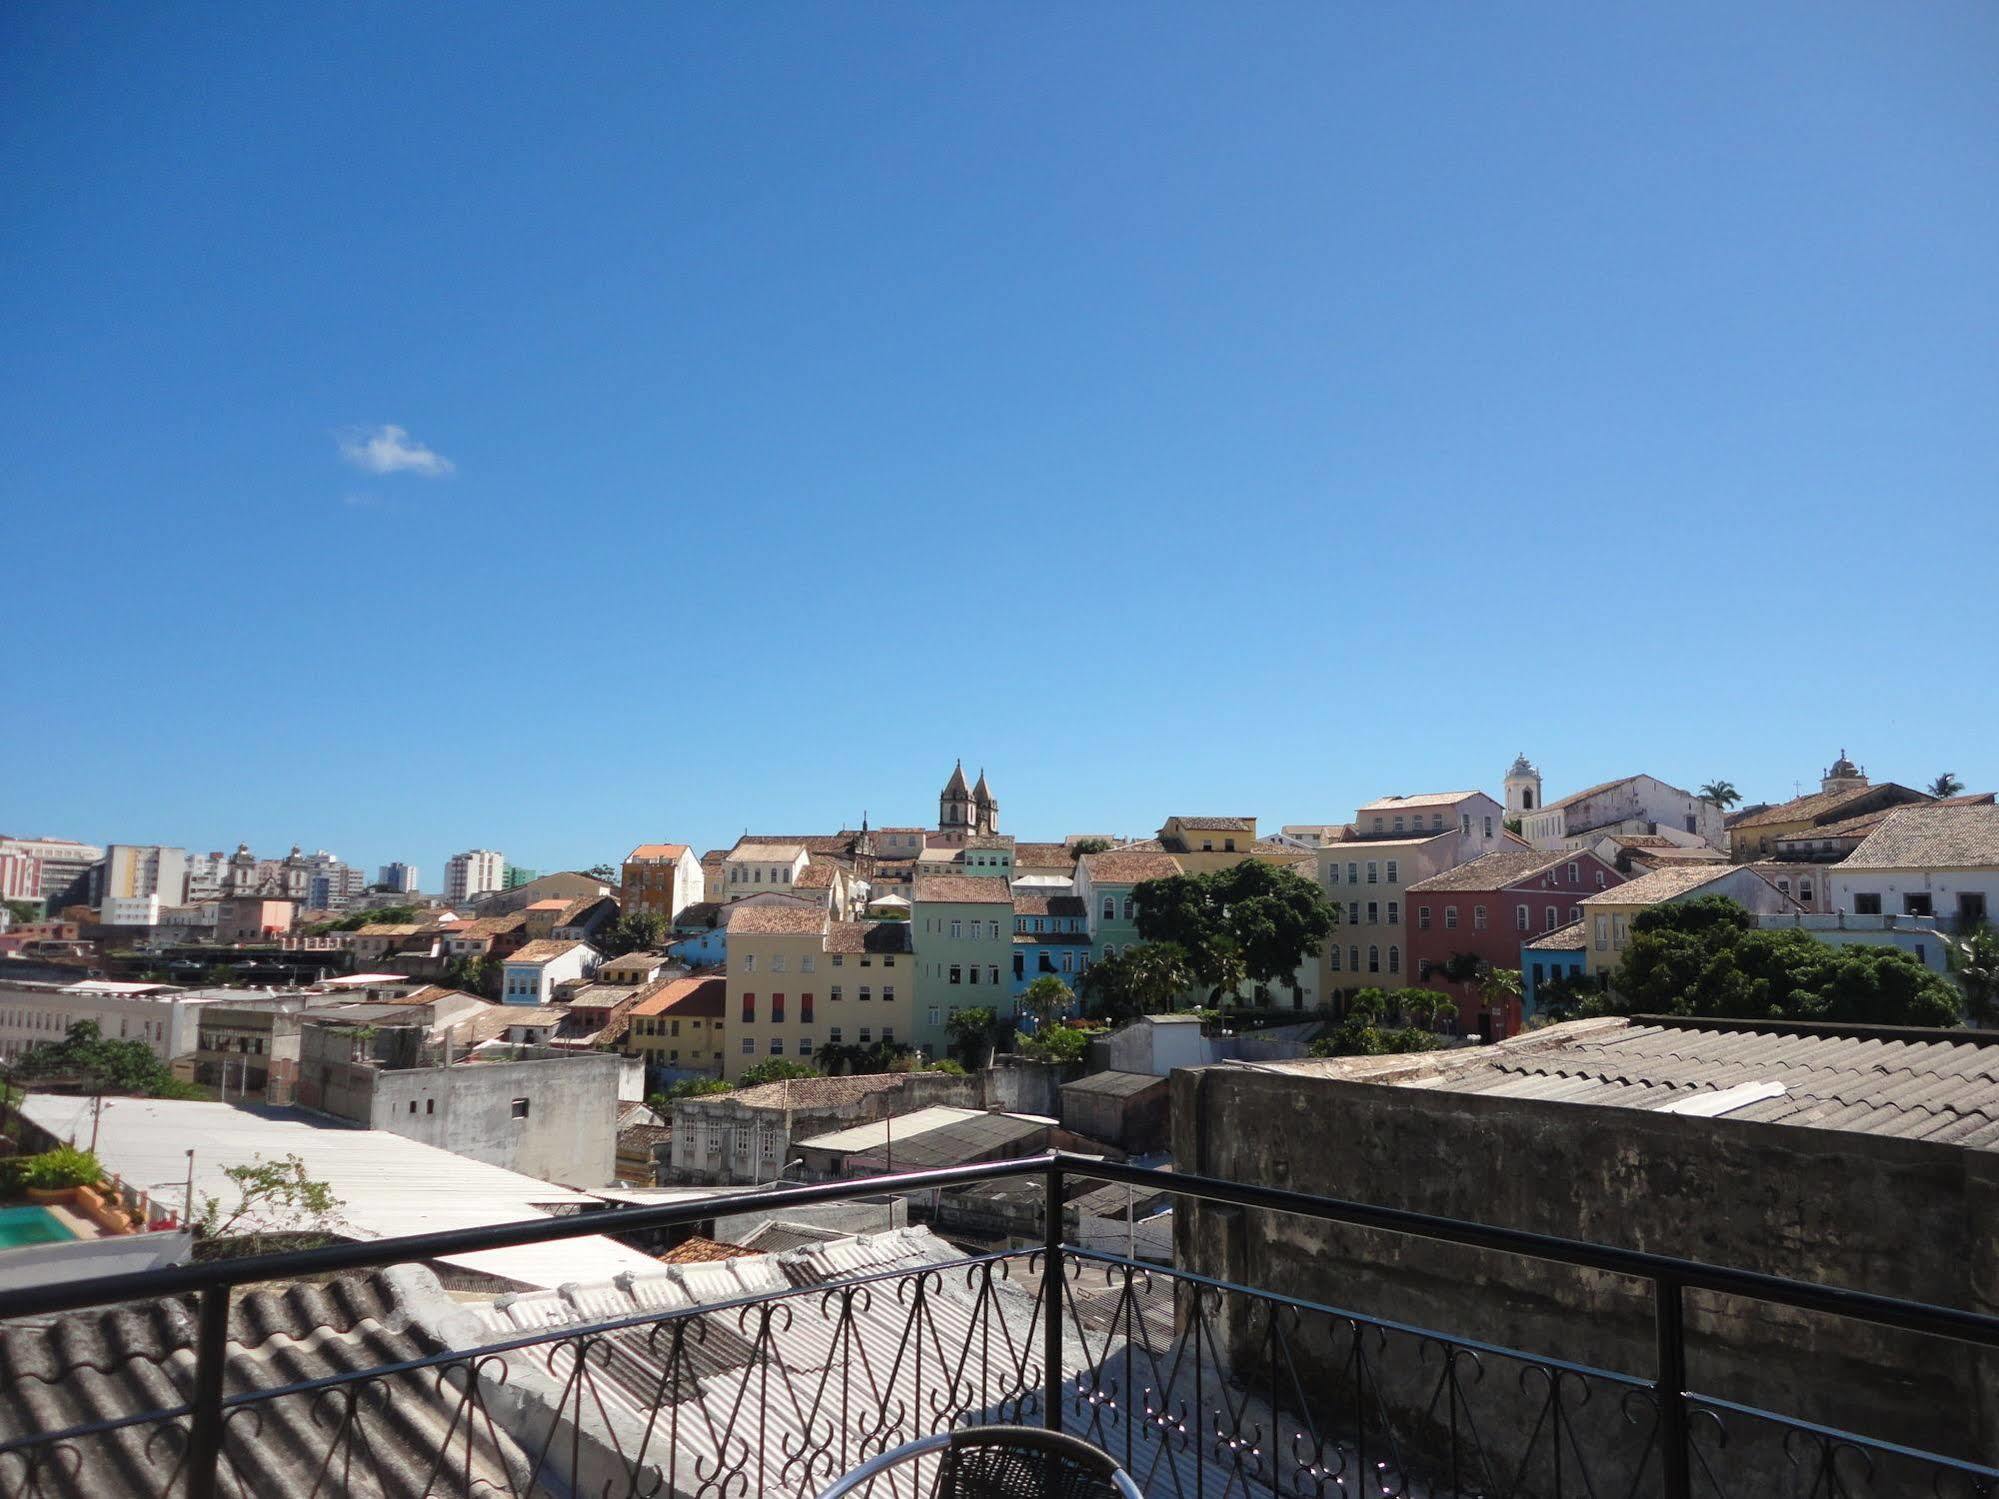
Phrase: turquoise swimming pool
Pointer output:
(31, 1225)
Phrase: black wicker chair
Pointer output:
(1001, 1462)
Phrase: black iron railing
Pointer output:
(806, 1366)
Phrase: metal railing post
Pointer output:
(211, 1354)
(1051, 1302)
(1670, 1386)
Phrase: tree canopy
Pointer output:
(1944, 785)
(1047, 998)
(635, 931)
(1722, 793)
(1704, 957)
(1144, 979)
(1084, 846)
(116, 1066)
(774, 1070)
(971, 1033)
(1252, 920)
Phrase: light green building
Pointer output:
(1105, 882)
(962, 929)
(516, 877)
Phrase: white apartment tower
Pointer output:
(473, 872)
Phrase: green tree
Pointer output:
(1974, 960)
(945, 1064)
(1046, 999)
(1252, 921)
(1144, 979)
(635, 931)
(271, 1197)
(476, 973)
(1945, 785)
(1358, 1039)
(971, 1032)
(1703, 957)
(604, 874)
(1084, 846)
(1497, 988)
(688, 1087)
(114, 1066)
(1054, 1043)
(24, 911)
(774, 1070)
(1722, 793)
(380, 916)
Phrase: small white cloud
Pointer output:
(388, 450)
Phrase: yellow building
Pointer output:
(799, 982)
(683, 1025)
(1204, 844)
(1607, 917)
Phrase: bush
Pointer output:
(65, 1166)
(1053, 1043)
(1358, 1039)
(956, 1069)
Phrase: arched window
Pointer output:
(1374, 960)
(1353, 959)
(1127, 908)
(1394, 960)
(1110, 909)
(1334, 954)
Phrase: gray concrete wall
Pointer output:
(1894, 1216)
(1019, 1086)
(569, 1135)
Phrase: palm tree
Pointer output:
(1722, 793)
(1974, 959)
(1945, 785)
(1498, 987)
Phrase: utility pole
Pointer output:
(187, 1213)
(96, 1115)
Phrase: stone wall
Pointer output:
(1893, 1216)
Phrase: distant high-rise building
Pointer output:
(133, 871)
(44, 868)
(517, 876)
(473, 872)
(401, 878)
(331, 885)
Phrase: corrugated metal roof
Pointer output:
(1940, 1089)
(389, 1186)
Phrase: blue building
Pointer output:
(1051, 938)
(1551, 955)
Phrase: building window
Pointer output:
(1374, 913)
(867, 1034)
(1333, 873)
(1602, 933)
(520, 1108)
(1617, 930)
(1394, 871)
(1599, 879)
(1373, 870)
(957, 974)
(1398, 825)
(1374, 960)
(1423, 918)
(866, 994)
(1353, 913)
(839, 960)
(1554, 918)
(957, 931)
(1575, 914)
(1395, 913)
(1520, 921)
(430, 1106)
(805, 1046)
(1917, 903)
(833, 1035)
(1450, 918)
(749, 1008)
(1804, 890)
(749, 962)
(777, 1046)
(1333, 954)
(1478, 918)
(1866, 903)
(776, 1008)
(777, 963)
(1465, 823)
(1394, 959)
(805, 963)
(834, 994)
(749, 1047)
(1110, 909)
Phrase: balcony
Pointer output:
(349, 1370)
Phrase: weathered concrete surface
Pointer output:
(568, 1133)
(1894, 1216)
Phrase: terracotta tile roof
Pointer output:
(1283, 853)
(1570, 938)
(815, 1092)
(989, 840)
(1048, 903)
(1129, 866)
(764, 853)
(543, 950)
(1822, 806)
(818, 874)
(656, 851)
(550, 905)
(1216, 824)
(867, 936)
(1493, 871)
(1048, 854)
(1326, 832)
(389, 929)
(962, 889)
(837, 844)
(775, 919)
(1587, 792)
(702, 997)
(1931, 838)
(1664, 884)
(1427, 800)
(700, 1251)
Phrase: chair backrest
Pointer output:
(1027, 1462)
(1001, 1462)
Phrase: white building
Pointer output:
(531, 975)
(1924, 861)
(130, 910)
(331, 885)
(163, 1017)
(1641, 804)
(133, 871)
(754, 868)
(474, 872)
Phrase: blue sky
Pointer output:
(1172, 409)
